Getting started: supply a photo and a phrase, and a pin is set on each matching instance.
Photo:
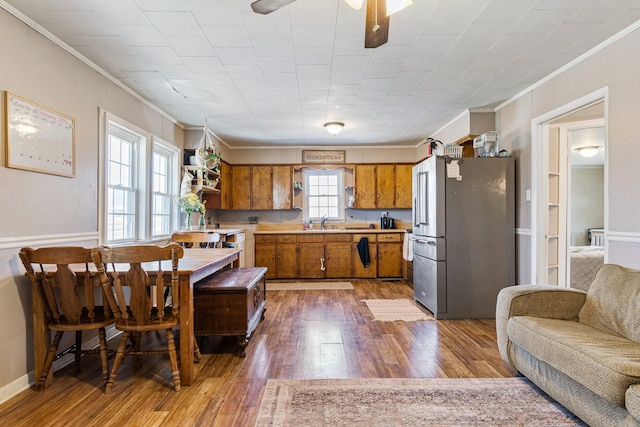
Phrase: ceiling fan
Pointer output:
(377, 21)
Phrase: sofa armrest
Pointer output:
(544, 301)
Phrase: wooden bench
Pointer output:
(232, 302)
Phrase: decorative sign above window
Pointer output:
(315, 156)
(39, 139)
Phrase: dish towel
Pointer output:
(407, 247)
(363, 251)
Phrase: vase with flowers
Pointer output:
(189, 203)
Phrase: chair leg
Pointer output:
(78, 349)
(137, 359)
(174, 359)
(116, 362)
(104, 354)
(197, 356)
(49, 360)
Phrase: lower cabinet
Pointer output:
(390, 255)
(286, 256)
(328, 255)
(311, 259)
(371, 270)
(265, 253)
(338, 251)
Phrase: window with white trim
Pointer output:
(122, 186)
(324, 196)
(141, 184)
(163, 192)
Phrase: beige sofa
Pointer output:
(581, 348)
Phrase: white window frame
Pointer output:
(171, 152)
(145, 146)
(339, 173)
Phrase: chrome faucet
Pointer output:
(322, 221)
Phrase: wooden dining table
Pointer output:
(195, 265)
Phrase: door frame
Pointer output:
(539, 173)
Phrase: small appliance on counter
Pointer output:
(386, 222)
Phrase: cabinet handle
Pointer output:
(321, 263)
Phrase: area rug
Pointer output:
(307, 286)
(410, 402)
(390, 310)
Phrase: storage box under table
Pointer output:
(232, 302)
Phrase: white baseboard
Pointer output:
(27, 381)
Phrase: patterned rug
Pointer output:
(410, 402)
(307, 286)
(390, 310)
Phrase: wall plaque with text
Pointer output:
(317, 156)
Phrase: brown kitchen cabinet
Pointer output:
(384, 186)
(282, 183)
(389, 255)
(338, 258)
(261, 187)
(265, 253)
(311, 258)
(241, 190)
(365, 186)
(404, 178)
(359, 270)
(286, 256)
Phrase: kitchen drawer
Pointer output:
(338, 237)
(371, 237)
(286, 238)
(395, 237)
(310, 238)
(264, 238)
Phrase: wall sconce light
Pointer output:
(588, 151)
(334, 128)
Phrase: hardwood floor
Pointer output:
(305, 334)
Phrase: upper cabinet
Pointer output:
(383, 186)
(259, 187)
(282, 187)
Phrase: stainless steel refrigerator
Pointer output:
(463, 234)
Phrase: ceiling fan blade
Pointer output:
(267, 6)
(376, 32)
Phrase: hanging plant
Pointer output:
(208, 153)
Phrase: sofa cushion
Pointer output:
(605, 363)
(613, 302)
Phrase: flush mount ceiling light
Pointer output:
(393, 6)
(334, 128)
(588, 151)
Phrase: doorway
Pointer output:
(551, 180)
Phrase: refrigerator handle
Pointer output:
(428, 242)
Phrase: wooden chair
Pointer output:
(65, 310)
(189, 239)
(143, 308)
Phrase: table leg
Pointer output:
(186, 330)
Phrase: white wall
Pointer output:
(607, 68)
(40, 209)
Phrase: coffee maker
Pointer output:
(386, 222)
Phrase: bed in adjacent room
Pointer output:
(584, 261)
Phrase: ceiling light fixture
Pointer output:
(588, 151)
(393, 6)
(334, 128)
(356, 4)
